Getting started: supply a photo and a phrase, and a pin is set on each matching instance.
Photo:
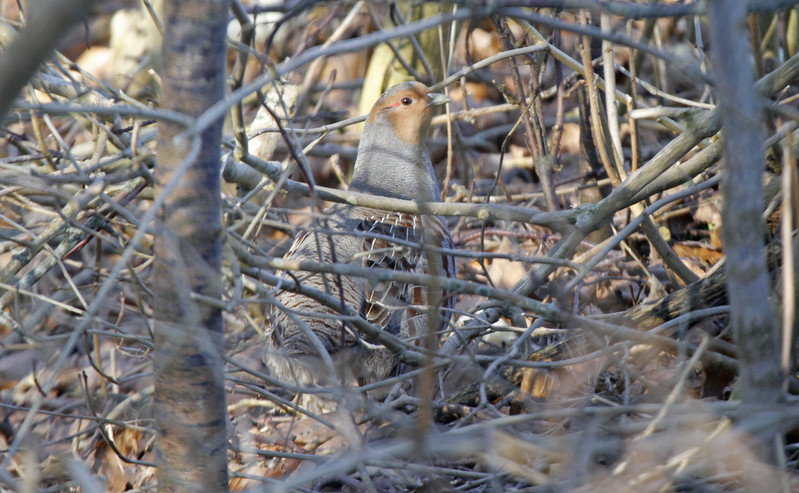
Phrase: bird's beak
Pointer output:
(437, 99)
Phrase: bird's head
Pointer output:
(408, 108)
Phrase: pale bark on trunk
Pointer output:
(190, 409)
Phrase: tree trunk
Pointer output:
(190, 408)
(751, 313)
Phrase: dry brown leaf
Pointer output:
(538, 382)
(524, 458)
(702, 252)
(506, 273)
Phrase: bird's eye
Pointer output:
(406, 101)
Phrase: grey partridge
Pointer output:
(392, 162)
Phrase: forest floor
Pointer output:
(613, 375)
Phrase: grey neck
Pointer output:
(403, 171)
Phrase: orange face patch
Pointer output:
(409, 124)
(406, 110)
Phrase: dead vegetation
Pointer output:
(590, 349)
